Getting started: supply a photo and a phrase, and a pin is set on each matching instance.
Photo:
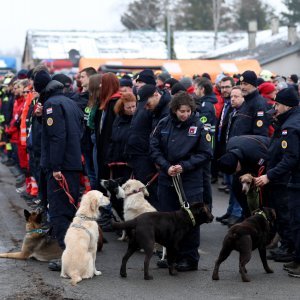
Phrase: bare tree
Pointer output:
(216, 18)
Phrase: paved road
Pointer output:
(32, 280)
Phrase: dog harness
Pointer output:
(82, 227)
(182, 198)
(85, 218)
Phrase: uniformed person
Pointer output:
(179, 144)
(285, 165)
(62, 130)
(251, 117)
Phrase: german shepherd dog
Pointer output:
(36, 242)
(253, 233)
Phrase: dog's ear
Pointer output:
(27, 214)
(38, 218)
(94, 204)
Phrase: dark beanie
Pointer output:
(294, 78)
(41, 79)
(146, 91)
(126, 82)
(177, 87)
(146, 76)
(64, 79)
(249, 77)
(22, 74)
(170, 82)
(228, 163)
(164, 76)
(288, 97)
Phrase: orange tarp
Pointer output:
(180, 68)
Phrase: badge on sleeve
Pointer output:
(49, 111)
(284, 144)
(208, 137)
(259, 123)
(203, 119)
(284, 132)
(260, 113)
(49, 121)
(193, 130)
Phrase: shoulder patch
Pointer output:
(49, 121)
(284, 132)
(193, 130)
(208, 137)
(49, 111)
(284, 144)
(259, 123)
(203, 119)
(260, 113)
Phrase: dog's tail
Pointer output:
(75, 278)
(124, 225)
(15, 255)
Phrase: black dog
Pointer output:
(115, 193)
(252, 233)
(165, 228)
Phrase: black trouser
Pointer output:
(188, 248)
(144, 170)
(61, 211)
(278, 198)
(294, 208)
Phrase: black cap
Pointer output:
(64, 79)
(41, 80)
(249, 77)
(22, 74)
(146, 76)
(170, 82)
(146, 91)
(126, 82)
(177, 87)
(164, 76)
(287, 97)
(228, 163)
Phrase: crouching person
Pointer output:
(180, 145)
(61, 153)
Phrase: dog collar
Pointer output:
(135, 191)
(83, 217)
(39, 231)
(190, 215)
(262, 214)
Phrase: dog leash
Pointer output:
(64, 185)
(152, 179)
(260, 172)
(182, 197)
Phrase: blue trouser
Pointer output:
(89, 167)
(234, 208)
(294, 208)
(188, 248)
(61, 211)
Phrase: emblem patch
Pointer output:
(284, 132)
(203, 119)
(208, 137)
(259, 123)
(193, 130)
(49, 121)
(284, 144)
(260, 113)
(49, 110)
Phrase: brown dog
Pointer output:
(36, 242)
(250, 190)
(252, 233)
(165, 228)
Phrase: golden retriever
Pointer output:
(79, 257)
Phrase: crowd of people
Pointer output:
(152, 127)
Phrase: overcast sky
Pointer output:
(17, 16)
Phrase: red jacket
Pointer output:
(219, 105)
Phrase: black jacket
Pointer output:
(119, 136)
(284, 164)
(251, 150)
(185, 143)
(162, 109)
(251, 118)
(62, 130)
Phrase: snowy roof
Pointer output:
(268, 47)
(126, 44)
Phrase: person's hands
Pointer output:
(178, 169)
(261, 181)
(38, 109)
(172, 171)
(57, 175)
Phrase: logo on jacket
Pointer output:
(49, 121)
(203, 119)
(208, 137)
(284, 144)
(49, 111)
(193, 130)
(284, 132)
(259, 123)
(260, 113)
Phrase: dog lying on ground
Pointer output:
(165, 228)
(79, 257)
(250, 190)
(36, 243)
(252, 233)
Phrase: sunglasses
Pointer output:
(26, 92)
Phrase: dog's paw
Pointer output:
(268, 270)
(246, 279)
(123, 274)
(215, 277)
(97, 273)
(148, 277)
(64, 275)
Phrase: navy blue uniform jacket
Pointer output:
(185, 143)
(251, 150)
(62, 131)
(284, 151)
(251, 118)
